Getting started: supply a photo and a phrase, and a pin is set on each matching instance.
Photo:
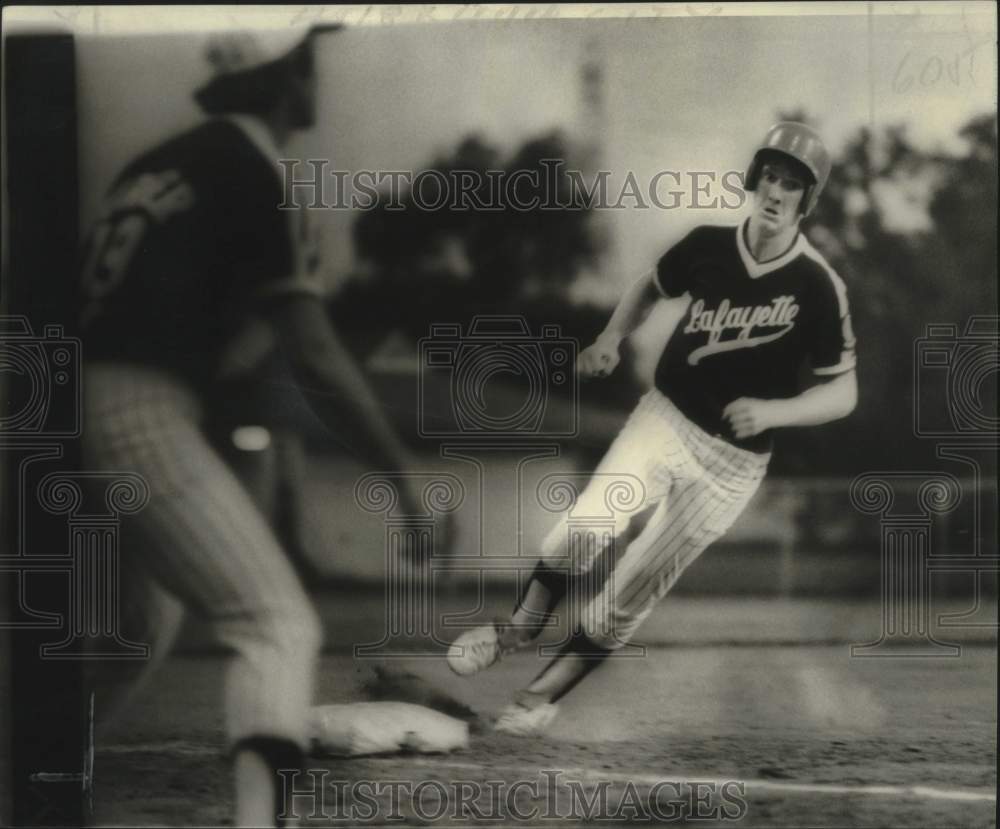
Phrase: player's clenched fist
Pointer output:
(598, 359)
(748, 416)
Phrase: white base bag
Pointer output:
(362, 728)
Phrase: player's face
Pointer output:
(779, 193)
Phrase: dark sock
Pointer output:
(278, 753)
(575, 660)
(552, 580)
(553, 585)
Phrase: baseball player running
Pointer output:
(762, 300)
(193, 249)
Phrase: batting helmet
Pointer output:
(801, 143)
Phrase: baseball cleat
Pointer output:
(475, 650)
(522, 721)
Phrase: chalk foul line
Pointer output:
(585, 775)
(439, 763)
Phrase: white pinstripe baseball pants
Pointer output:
(695, 485)
(201, 543)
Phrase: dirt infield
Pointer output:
(754, 734)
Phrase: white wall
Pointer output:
(685, 94)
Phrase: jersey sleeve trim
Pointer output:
(839, 288)
(655, 276)
(848, 358)
(847, 362)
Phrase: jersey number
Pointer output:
(131, 209)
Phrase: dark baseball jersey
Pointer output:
(191, 239)
(749, 326)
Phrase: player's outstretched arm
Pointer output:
(601, 357)
(822, 403)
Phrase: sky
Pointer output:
(686, 93)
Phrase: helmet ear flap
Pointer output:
(806, 205)
(752, 174)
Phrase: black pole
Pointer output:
(45, 710)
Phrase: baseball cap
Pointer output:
(235, 52)
(230, 53)
(234, 57)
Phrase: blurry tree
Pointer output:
(489, 246)
(913, 233)
(964, 212)
(552, 245)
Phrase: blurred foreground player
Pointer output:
(191, 249)
(762, 301)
